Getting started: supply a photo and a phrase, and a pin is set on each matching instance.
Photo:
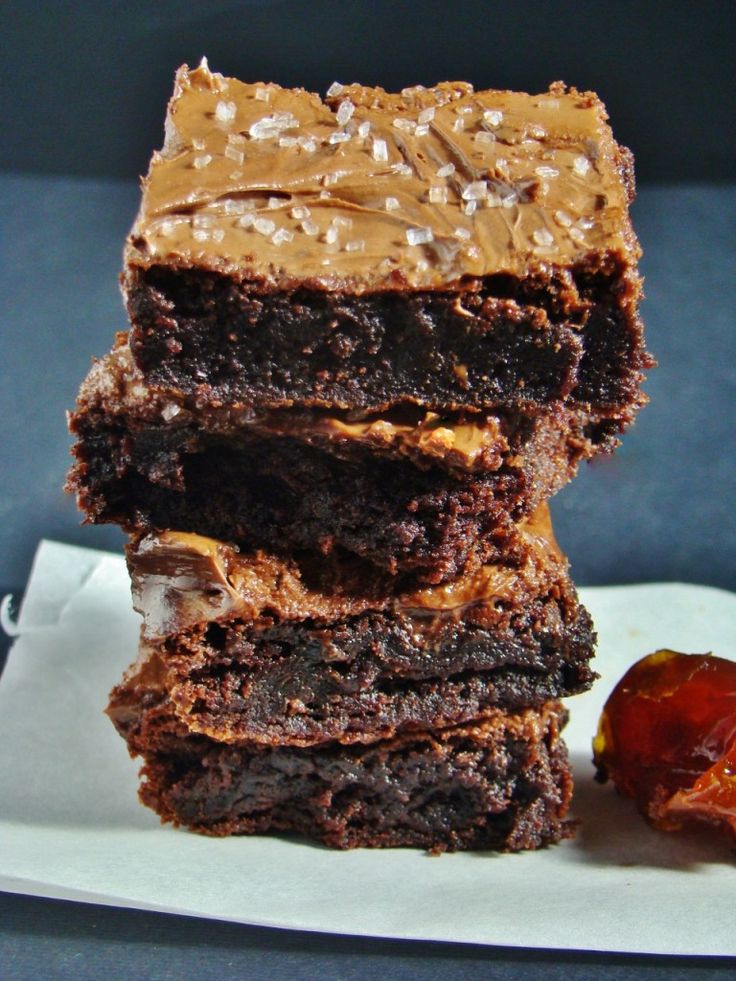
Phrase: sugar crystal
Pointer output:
(264, 226)
(344, 112)
(268, 127)
(380, 151)
(419, 236)
(543, 237)
(225, 112)
(447, 170)
(232, 153)
(494, 117)
(203, 221)
(475, 191)
(170, 410)
(282, 235)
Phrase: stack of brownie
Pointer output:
(370, 337)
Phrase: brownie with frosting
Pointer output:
(439, 247)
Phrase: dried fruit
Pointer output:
(667, 738)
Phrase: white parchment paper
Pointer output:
(71, 826)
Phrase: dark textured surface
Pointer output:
(368, 677)
(573, 337)
(283, 494)
(660, 509)
(42, 937)
(501, 784)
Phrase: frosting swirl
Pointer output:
(370, 191)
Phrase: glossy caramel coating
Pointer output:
(667, 738)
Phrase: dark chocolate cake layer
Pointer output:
(414, 493)
(498, 345)
(503, 783)
(251, 648)
(443, 247)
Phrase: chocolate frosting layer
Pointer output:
(370, 191)
(180, 580)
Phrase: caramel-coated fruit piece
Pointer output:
(667, 738)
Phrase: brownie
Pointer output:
(414, 492)
(503, 783)
(439, 247)
(300, 652)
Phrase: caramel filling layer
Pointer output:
(181, 580)
(461, 441)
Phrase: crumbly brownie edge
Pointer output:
(504, 784)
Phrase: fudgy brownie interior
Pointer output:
(415, 498)
(504, 783)
(256, 648)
